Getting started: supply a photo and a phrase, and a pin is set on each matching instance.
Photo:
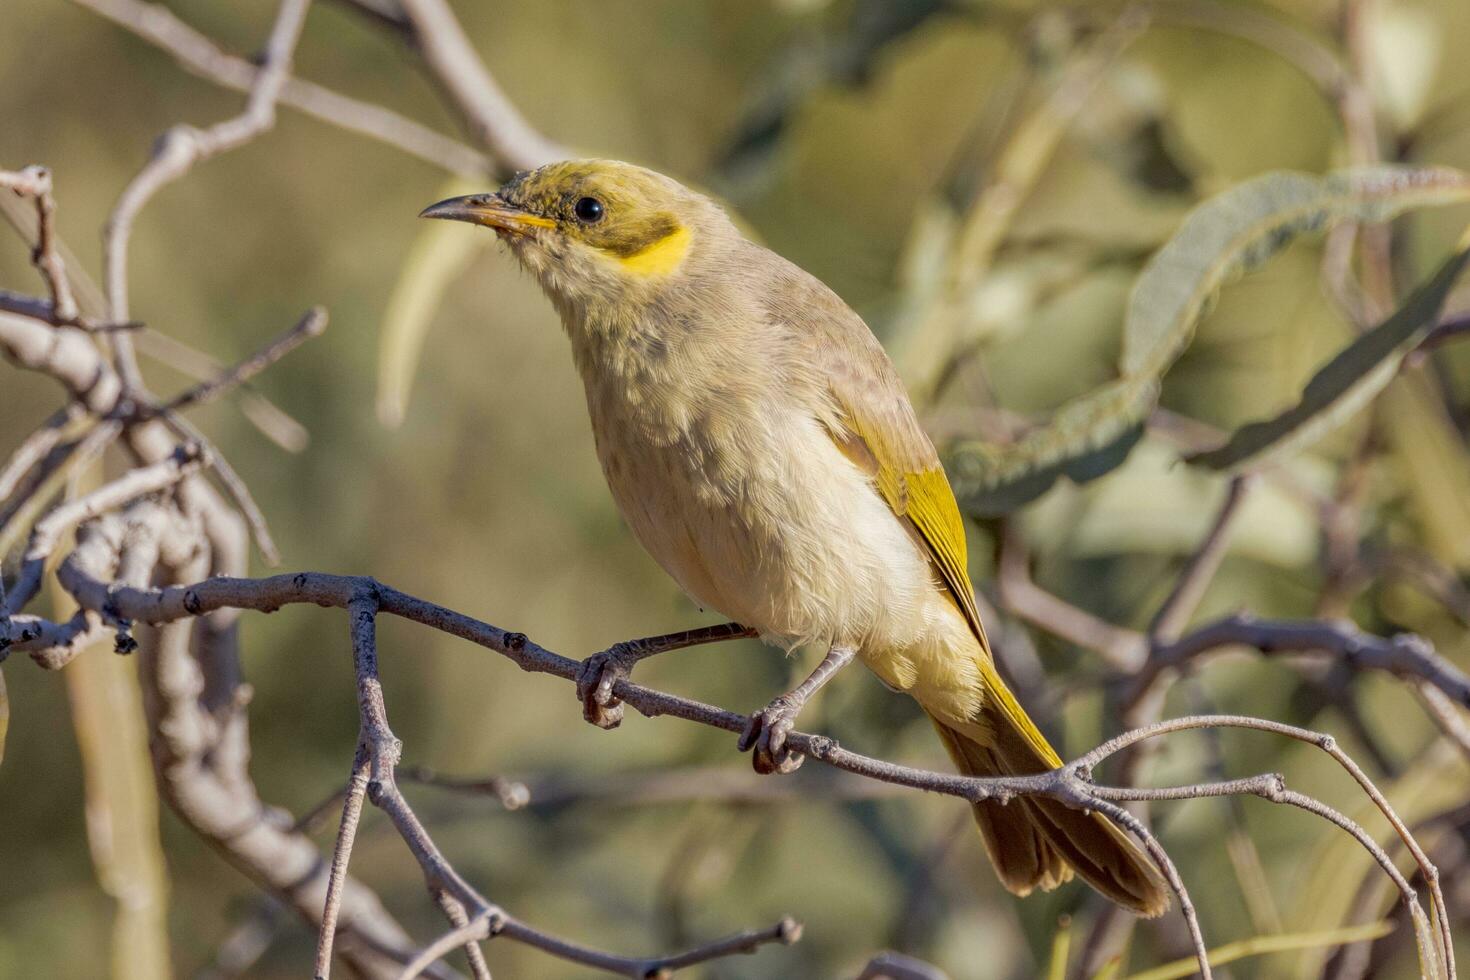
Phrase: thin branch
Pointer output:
(469, 932)
(455, 913)
(200, 738)
(513, 143)
(236, 487)
(26, 507)
(711, 784)
(312, 324)
(1070, 784)
(175, 154)
(1123, 649)
(1200, 570)
(272, 422)
(382, 750)
(1086, 763)
(66, 355)
(48, 531)
(200, 56)
(1404, 655)
(35, 183)
(51, 645)
(1450, 717)
(341, 853)
(37, 446)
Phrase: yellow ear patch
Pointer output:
(661, 257)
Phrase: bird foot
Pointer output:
(595, 681)
(766, 734)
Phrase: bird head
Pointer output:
(596, 233)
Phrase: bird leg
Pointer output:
(600, 673)
(768, 727)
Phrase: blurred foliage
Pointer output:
(865, 140)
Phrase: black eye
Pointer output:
(588, 209)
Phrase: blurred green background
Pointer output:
(843, 133)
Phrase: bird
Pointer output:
(761, 446)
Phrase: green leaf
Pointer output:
(1223, 238)
(1085, 439)
(1346, 383)
(1234, 232)
(440, 253)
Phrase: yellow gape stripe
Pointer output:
(660, 258)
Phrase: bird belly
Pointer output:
(785, 534)
(776, 529)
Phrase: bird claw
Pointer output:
(766, 734)
(595, 680)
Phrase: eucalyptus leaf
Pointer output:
(1346, 383)
(1085, 439)
(1222, 239)
(1236, 231)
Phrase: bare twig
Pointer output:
(35, 183)
(497, 125)
(455, 913)
(1405, 655)
(312, 324)
(237, 488)
(196, 53)
(1200, 570)
(470, 932)
(64, 354)
(1123, 649)
(346, 833)
(37, 446)
(274, 423)
(175, 154)
(718, 784)
(132, 485)
(1070, 784)
(1451, 718)
(380, 749)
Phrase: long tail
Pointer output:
(1037, 843)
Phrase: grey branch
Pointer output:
(513, 143)
(1123, 649)
(312, 324)
(35, 183)
(199, 55)
(1405, 655)
(1200, 570)
(473, 917)
(1071, 784)
(48, 531)
(175, 154)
